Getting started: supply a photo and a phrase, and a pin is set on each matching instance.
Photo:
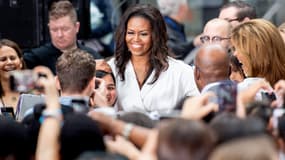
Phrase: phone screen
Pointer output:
(226, 93)
(22, 80)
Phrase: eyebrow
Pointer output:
(146, 30)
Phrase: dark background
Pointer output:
(25, 21)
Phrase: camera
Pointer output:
(268, 97)
(24, 80)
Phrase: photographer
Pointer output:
(74, 92)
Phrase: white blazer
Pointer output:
(162, 96)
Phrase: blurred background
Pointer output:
(25, 21)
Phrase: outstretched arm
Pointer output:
(136, 134)
(48, 145)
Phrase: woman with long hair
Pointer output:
(11, 58)
(147, 78)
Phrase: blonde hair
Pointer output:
(261, 43)
(61, 9)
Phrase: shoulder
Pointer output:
(178, 65)
(112, 64)
(95, 54)
(42, 51)
(180, 70)
(111, 61)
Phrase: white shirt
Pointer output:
(171, 87)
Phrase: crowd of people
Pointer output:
(144, 102)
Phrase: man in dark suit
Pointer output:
(63, 27)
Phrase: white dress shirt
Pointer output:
(171, 87)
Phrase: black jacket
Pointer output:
(47, 55)
(177, 42)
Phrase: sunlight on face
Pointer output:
(138, 36)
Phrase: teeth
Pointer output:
(136, 46)
(10, 68)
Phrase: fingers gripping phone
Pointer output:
(226, 93)
(24, 80)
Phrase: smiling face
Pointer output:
(9, 59)
(111, 89)
(138, 36)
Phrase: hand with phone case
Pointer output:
(248, 95)
(226, 93)
(198, 107)
(279, 89)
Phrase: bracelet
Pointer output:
(127, 130)
(57, 114)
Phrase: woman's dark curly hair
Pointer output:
(158, 51)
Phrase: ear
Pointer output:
(77, 25)
(92, 83)
(57, 83)
(245, 19)
(198, 78)
(22, 63)
(196, 73)
(90, 86)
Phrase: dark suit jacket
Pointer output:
(47, 55)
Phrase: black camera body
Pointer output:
(268, 97)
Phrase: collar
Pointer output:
(69, 100)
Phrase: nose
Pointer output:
(59, 33)
(9, 60)
(108, 93)
(136, 37)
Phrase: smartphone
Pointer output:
(268, 97)
(23, 80)
(8, 112)
(226, 93)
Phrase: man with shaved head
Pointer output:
(216, 31)
(211, 65)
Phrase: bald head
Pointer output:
(219, 28)
(211, 65)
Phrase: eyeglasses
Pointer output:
(215, 39)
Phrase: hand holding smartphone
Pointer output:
(226, 94)
(24, 80)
